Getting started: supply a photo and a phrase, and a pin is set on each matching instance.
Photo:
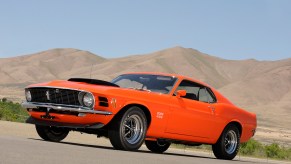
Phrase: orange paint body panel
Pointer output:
(170, 117)
(88, 119)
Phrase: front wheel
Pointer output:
(50, 133)
(157, 146)
(228, 144)
(128, 130)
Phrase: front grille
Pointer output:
(55, 95)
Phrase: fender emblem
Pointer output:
(160, 115)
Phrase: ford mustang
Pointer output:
(135, 108)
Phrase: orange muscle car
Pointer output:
(152, 108)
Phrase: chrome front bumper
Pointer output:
(62, 107)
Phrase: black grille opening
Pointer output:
(55, 95)
(103, 101)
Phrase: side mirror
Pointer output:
(181, 93)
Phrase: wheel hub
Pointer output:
(132, 129)
(230, 142)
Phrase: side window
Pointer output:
(191, 89)
(206, 95)
(196, 92)
(203, 95)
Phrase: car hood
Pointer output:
(75, 85)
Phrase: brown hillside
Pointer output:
(47, 65)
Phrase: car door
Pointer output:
(193, 114)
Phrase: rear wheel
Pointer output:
(50, 133)
(228, 144)
(157, 146)
(128, 130)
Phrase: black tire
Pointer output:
(157, 146)
(50, 133)
(228, 143)
(128, 130)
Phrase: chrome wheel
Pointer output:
(230, 142)
(128, 129)
(227, 145)
(133, 129)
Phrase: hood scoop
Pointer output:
(93, 81)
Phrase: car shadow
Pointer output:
(76, 144)
(138, 151)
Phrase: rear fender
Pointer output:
(237, 123)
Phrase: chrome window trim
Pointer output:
(62, 107)
(211, 93)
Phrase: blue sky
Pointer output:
(231, 29)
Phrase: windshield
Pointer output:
(152, 83)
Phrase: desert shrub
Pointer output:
(272, 150)
(4, 99)
(10, 111)
(278, 152)
(252, 147)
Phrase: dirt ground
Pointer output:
(270, 135)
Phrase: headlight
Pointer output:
(88, 99)
(28, 95)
